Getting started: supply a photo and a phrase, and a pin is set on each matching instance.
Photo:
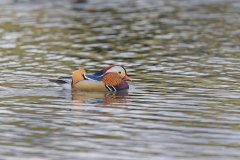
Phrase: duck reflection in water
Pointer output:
(101, 98)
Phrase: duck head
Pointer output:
(120, 70)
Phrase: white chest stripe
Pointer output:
(109, 89)
(114, 88)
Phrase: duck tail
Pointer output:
(61, 80)
(58, 81)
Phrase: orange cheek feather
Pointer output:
(112, 79)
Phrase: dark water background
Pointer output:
(184, 102)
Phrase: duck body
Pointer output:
(112, 79)
(99, 86)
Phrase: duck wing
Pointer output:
(92, 77)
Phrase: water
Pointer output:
(184, 59)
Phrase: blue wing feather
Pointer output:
(93, 77)
(99, 74)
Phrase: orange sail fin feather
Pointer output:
(78, 75)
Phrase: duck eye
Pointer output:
(119, 72)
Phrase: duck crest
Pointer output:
(107, 68)
(112, 79)
(102, 72)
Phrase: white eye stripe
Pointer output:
(116, 69)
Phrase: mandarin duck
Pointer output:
(113, 78)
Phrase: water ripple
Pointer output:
(183, 102)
